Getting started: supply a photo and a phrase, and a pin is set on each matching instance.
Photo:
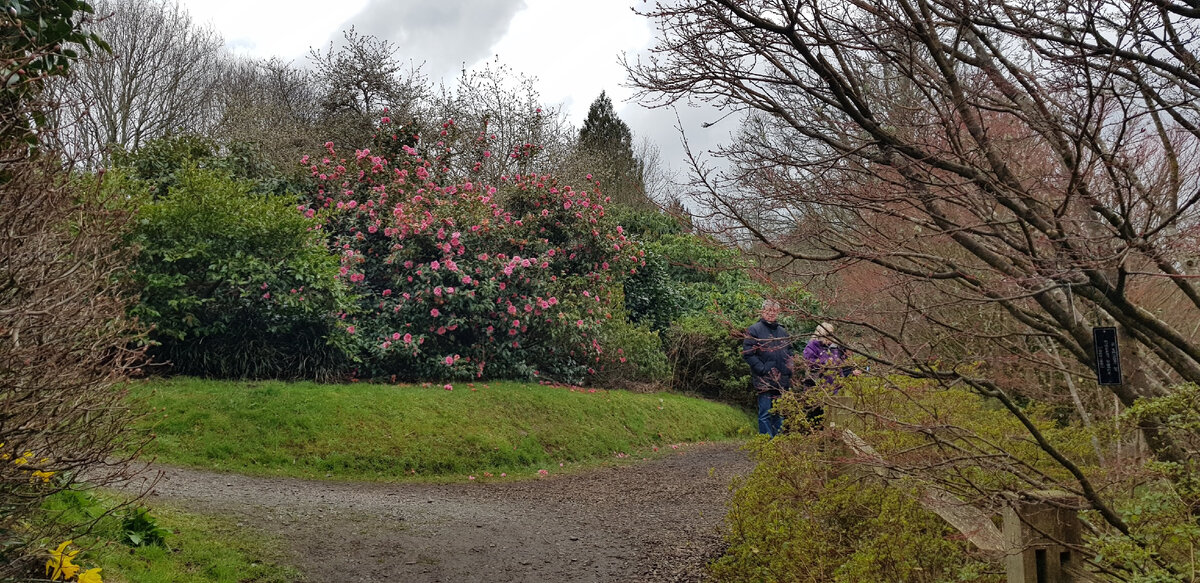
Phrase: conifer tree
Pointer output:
(606, 147)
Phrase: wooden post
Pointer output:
(837, 412)
(1042, 534)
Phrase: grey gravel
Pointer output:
(658, 520)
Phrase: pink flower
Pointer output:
(449, 360)
(435, 313)
(408, 338)
(543, 473)
(395, 336)
(450, 387)
(387, 292)
(349, 329)
(435, 265)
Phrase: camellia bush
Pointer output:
(459, 280)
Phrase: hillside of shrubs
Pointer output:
(391, 268)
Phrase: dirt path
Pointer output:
(656, 521)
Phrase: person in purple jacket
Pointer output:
(827, 362)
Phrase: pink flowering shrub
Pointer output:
(459, 280)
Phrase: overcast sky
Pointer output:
(571, 47)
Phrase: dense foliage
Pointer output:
(235, 284)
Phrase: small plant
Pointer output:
(139, 529)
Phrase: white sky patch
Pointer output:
(572, 48)
(274, 28)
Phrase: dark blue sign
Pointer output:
(1108, 356)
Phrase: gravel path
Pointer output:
(658, 520)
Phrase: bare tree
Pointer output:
(1013, 173)
(159, 80)
(272, 105)
(361, 81)
(491, 122)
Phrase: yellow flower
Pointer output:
(45, 476)
(60, 563)
(90, 576)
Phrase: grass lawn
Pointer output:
(195, 549)
(379, 432)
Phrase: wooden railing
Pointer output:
(1040, 531)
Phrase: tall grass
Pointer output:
(380, 432)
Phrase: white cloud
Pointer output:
(280, 28)
(572, 48)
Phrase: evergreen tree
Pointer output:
(606, 148)
(603, 131)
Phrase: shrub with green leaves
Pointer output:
(796, 520)
(235, 284)
(162, 164)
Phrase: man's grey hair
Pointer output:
(771, 304)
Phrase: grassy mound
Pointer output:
(381, 432)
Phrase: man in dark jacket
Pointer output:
(767, 348)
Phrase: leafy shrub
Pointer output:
(651, 296)
(633, 355)
(455, 285)
(236, 284)
(794, 519)
(162, 164)
(140, 529)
